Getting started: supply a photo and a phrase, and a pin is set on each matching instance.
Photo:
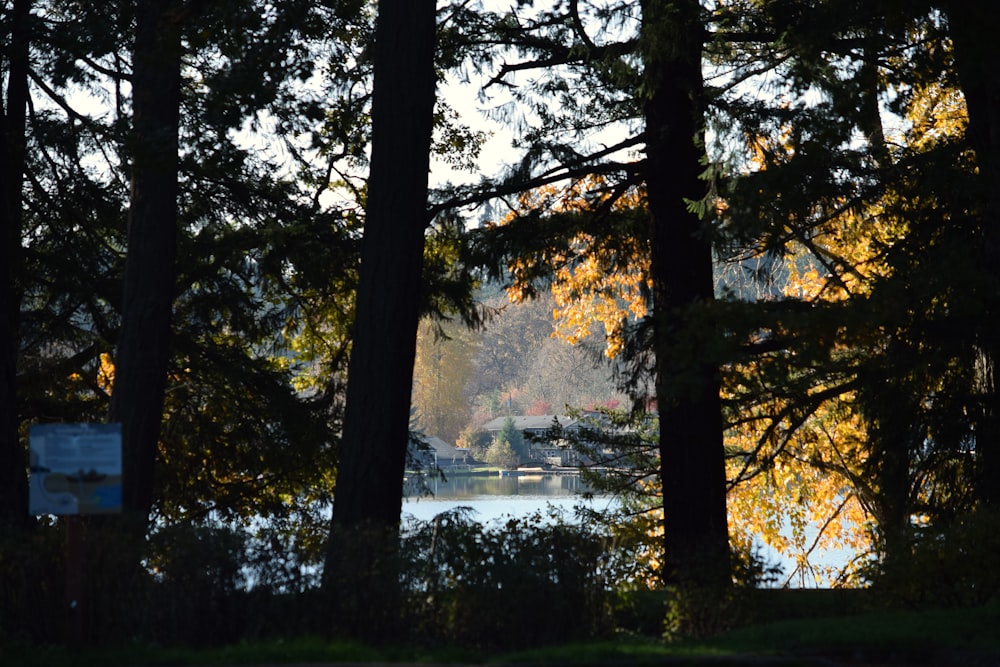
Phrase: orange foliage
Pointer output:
(595, 283)
(106, 373)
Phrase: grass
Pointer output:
(887, 632)
(957, 636)
(298, 651)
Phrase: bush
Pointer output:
(214, 583)
(32, 583)
(501, 454)
(695, 612)
(526, 582)
(951, 565)
(200, 583)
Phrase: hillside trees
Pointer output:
(507, 343)
(522, 358)
(441, 375)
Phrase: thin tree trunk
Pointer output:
(889, 408)
(361, 572)
(692, 464)
(13, 481)
(888, 403)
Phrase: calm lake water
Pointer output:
(494, 497)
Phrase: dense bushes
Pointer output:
(518, 583)
(505, 585)
(199, 584)
(952, 564)
(523, 582)
(32, 583)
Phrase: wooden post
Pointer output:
(74, 581)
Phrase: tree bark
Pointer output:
(150, 273)
(360, 570)
(692, 464)
(13, 463)
(974, 25)
(890, 409)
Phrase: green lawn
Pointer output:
(964, 636)
(959, 637)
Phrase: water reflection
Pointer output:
(496, 498)
(482, 486)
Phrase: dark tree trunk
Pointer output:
(974, 25)
(891, 412)
(360, 569)
(692, 464)
(149, 284)
(13, 462)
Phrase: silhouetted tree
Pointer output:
(361, 574)
(14, 71)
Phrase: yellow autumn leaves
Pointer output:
(799, 474)
(594, 283)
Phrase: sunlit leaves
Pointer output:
(599, 273)
(870, 373)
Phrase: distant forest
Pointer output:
(514, 365)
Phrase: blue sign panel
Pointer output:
(75, 469)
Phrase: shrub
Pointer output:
(32, 583)
(952, 565)
(525, 582)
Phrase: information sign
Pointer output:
(75, 469)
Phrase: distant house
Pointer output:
(557, 453)
(529, 424)
(441, 454)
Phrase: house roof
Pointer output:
(444, 449)
(529, 422)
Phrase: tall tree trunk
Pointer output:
(13, 481)
(692, 464)
(144, 343)
(361, 572)
(974, 25)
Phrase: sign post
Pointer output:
(76, 469)
(74, 581)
